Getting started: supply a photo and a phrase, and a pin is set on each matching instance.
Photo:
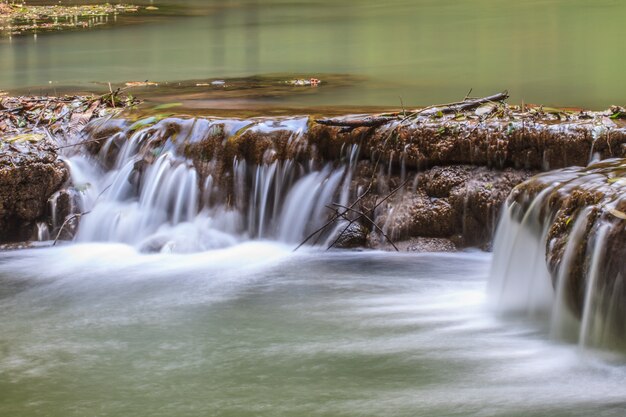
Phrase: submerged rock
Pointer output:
(30, 173)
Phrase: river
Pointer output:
(174, 301)
(256, 330)
(399, 52)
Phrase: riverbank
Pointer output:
(427, 179)
(32, 130)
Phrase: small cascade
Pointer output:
(559, 254)
(43, 232)
(520, 280)
(143, 187)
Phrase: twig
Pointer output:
(43, 110)
(370, 121)
(67, 220)
(357, 201)
(80, 143)
(463, 105)
(373, 208)
(361, 214)
(112, 98)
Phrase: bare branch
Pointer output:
(361, 214)
(67, 220)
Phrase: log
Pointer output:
(377, 121)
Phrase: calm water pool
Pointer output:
(415, 52)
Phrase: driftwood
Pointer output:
(377, 121)
(461, 106)
(370, 121)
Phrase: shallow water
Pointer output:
(411, 52)
(256, 330)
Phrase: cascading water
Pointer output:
(152, 197)
(559, 253)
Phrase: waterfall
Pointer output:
(140, 189)
(558, 254)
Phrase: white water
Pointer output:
(256, 330)
(163, 205)
(237, 324)
(520, 283)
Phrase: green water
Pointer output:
(553, 52)
(256, 330)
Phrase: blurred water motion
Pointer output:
(256, 330)
(418, 52)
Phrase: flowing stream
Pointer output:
(256, 330)
(181, 294)
(177, 300)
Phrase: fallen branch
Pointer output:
(84, 142)
(370, 121)
(464, 105)
(369, 219)
(67, 220)
(377, 121)
(358, 218)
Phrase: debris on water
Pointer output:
(28, 118)
(216, 83)
(141, 84)
(16, 19)
(313, 82)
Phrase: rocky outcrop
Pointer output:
(533, 140)
(30, 173)
(460, 203)
(461, 169)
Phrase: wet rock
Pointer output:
(355, 236)
(416, 214)
(464, 167)
(534, 144)
(478, 201)
(584, 211)
(425, 244)
(29, 174)
(459, 202)
(439, 181)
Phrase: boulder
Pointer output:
(30, 172)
